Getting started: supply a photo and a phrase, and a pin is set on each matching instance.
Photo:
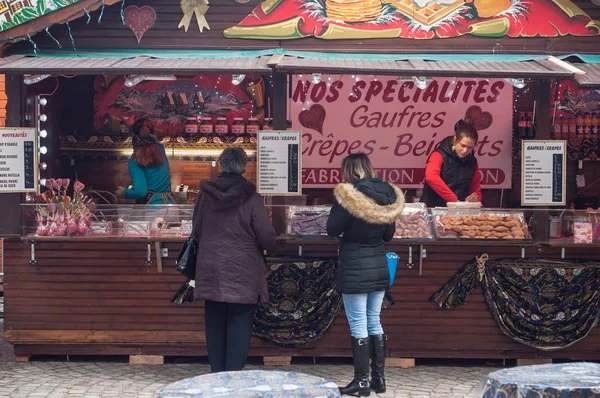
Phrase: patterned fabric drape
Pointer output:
(541, 303)
(303, 303)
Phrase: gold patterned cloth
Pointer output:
(303, 302)
(544, 304)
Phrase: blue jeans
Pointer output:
(362, 311)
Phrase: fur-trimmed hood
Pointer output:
(371, 200)
(227, 191)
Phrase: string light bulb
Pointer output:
(43, 181)
(316, 78)
(43, 101)
(43, 134)
(43, 166)
(43, 117)
(43, 150)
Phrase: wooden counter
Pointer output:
(98, 296)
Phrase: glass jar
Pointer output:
(221, 127)
(252, 126)
(268, 124)
(191, 125)
(238, 126)
(206, 125)
(125, 126)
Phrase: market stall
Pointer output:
(105, 288)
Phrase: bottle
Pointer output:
(528, 125)
(238, 126)
(558, 128)
(221, 127)
(522, 125)
(268, 124)
(191, 125)
(564, 129)
(579, 125)
(572, 129)
(594, 127)
(206, 125)
(587, 126)
(252, 126)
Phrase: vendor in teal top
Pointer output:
(148, 168)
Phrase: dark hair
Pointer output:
(357, 166)
(464, 128)
(136, 129)
(233, 160)
(146, 152)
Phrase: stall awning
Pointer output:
(148, 61)
(121, 62)
(488, 66)
(591, 79)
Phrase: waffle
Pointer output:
(428, 15)
(353, 10)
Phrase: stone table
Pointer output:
(567, 380)
(252, 383)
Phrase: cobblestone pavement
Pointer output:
(109, 379)
(101, 377)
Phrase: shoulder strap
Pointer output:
(196, 215)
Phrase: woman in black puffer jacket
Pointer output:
(364, 212)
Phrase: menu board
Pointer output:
(279, 162)
(18, 160)
(544, 173)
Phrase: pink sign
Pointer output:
(398, 125)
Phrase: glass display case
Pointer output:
(417, 223)
(574, 227)
(478, 224)
(307, 221)
(90, 220)
(414, 223)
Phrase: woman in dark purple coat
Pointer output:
(232, 231)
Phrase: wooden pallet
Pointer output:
(428, 15)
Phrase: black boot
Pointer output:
(361, 350)
(378, 362)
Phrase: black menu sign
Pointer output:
(18, 160)
(279, 163)
(544, 173)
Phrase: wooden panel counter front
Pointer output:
(100, 297)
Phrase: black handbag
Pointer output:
(186, 262)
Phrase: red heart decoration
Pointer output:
(313, 117)
(481, 120)
(139, 20)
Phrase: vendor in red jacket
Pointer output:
(452, 173)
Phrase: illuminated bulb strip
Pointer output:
(191, 152)
(518, 83)
(420, 82)
(237, 79)
(32, 79)
(133, 80)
